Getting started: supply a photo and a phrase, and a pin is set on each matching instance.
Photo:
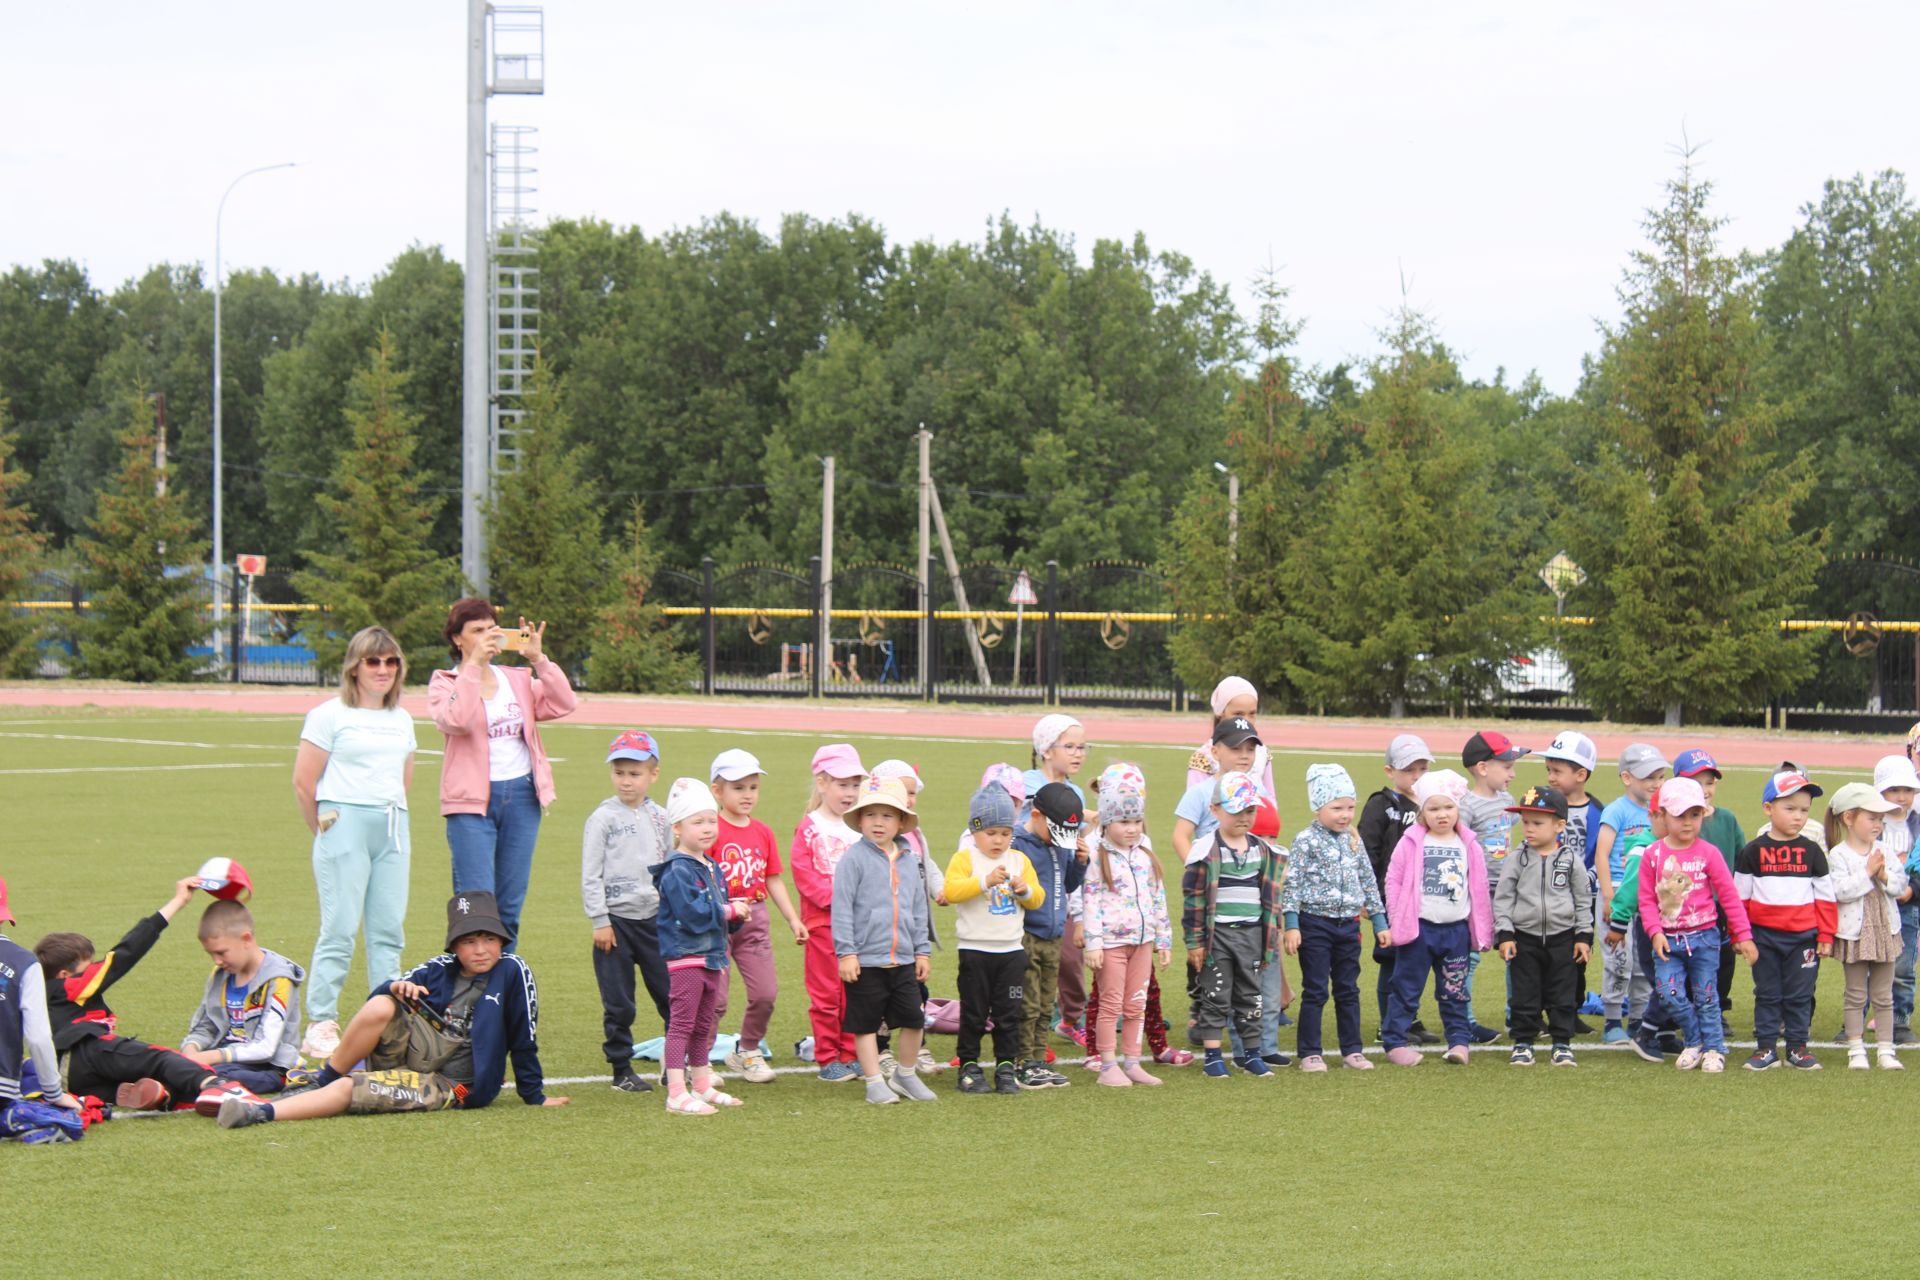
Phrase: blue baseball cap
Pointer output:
(634, 744)
(1692, 762)
(1787, 782)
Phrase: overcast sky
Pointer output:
(1499, 156)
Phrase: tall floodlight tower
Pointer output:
(506, 54)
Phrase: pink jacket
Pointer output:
(1402, 889)
(1710, 880)
(457, 707)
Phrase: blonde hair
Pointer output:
(371, 642)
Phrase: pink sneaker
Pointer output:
(1357, 1062)
(1116, 1077)
(1137, 1074)
(1313, 1062)
(1403, 1056)
(1076, 1034)
(1457, 1055)
(1173, 1057)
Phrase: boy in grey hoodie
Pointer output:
(247, 1028)
(1543, 925)
(880, 934)
(623, 844)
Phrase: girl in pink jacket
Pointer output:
(819, 842)
(1123, 903)
(1439, 912)
(495, 782)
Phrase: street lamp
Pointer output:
(219, 539)
(1233, 506)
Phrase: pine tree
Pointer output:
(141, 617)
(381, 570)
(633, 650)
(20, 551)
(549, 560)
(1404, 588)
(1685, 523)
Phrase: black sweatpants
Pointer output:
(992, 985)
(1544, 977)
(1783, 977)
(636, 945)
(100, 1064)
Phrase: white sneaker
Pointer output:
(1856, 1056)
(1713, 1062)
(753, 1069)
(321, 1040)
(1689, 1058)
(926, 1066)
(888, 1065)
(1890, 1061)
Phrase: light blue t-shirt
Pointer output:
(1196, 806)
(367, 750)
(1627, 817)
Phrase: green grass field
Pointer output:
(1615, 1167)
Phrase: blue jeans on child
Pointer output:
(493, 852)
(360, 869)
(1903, 968)
(1329, 952)
(1440, 950)
(1688, 986)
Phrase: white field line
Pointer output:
(171, 742)
(139, 768)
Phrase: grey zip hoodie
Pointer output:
(1543, 896)
(269, 1034)
(880, 906)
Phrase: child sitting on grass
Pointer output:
(1439, 912)
(137, 1075)
(26, 1036)
(880, 934)
(435, 1039)
(1329, 884)
(1543, 920)
(247, 1028)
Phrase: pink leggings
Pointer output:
(1123, 998)
(693, 1011)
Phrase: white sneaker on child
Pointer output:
(321, 1040)
(1689, 1058)
(1856, 1056)
(1889, 1060)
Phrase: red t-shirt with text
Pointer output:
(749, 856)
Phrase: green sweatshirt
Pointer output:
(1626, 894)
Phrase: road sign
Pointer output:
(250, 566)
(1562, 575)
(1022, 592)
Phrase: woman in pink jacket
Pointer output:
(1439, 912)
(495, 782)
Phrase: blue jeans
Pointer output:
(1440, 950)
(493, 852)
(1903, 968)
(360, 869)
(1687, 981)
(1270, 1012)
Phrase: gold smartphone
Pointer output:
(514, 639)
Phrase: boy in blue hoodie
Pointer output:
(1051, 840)
(435, 1039)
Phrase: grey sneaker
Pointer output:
(908, 1084)
(237, 1113)
(888, 1065)
(880, 1092)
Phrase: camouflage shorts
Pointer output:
(414, 1041)
(388, 1092)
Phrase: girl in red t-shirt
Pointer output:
(750, 858)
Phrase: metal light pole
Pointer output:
(219, 524)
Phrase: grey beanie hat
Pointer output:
(991, 806)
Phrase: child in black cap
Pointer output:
(1543, 924)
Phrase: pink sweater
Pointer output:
(460, 712)
(1711, 880)
(1403, 888)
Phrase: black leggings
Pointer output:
(100, 1064)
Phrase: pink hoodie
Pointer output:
(1402, 889)
(460, 712)
(1710, 880)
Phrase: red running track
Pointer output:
(831, 719)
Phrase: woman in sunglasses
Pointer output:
(351, 779)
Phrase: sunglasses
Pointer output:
(390, 660)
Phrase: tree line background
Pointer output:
(1742, 421)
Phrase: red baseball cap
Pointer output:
(1266, 818)
(6, 913)
(1488, 745)
(225, 878)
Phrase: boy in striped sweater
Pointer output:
(1782, 880)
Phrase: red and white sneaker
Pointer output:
(1173, 1057)
(208, 1103)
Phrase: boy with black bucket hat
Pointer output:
(437, 1038)
(1051, 842)
(1543, 925)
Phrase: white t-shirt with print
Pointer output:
(367, 750)
(507, 755)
